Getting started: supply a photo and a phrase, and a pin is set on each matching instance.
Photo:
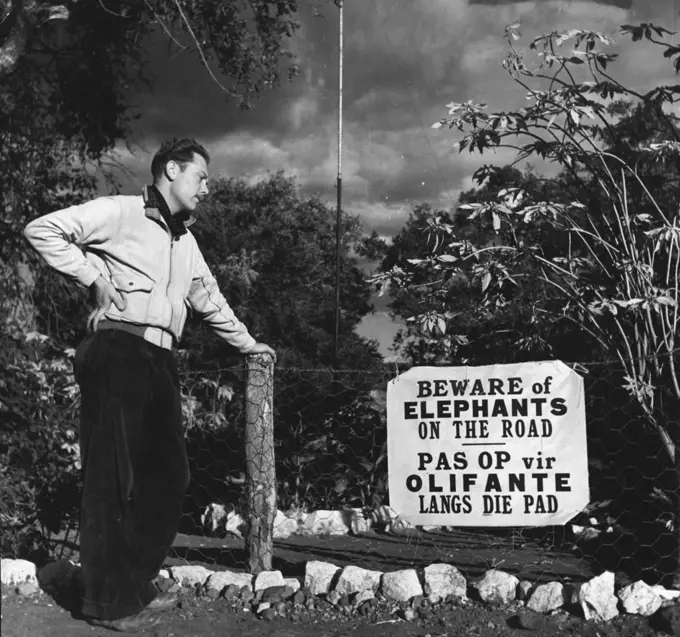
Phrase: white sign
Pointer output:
(497, 445)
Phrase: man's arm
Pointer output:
(207, 300)
(58, 236)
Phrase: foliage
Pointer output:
(102, 43)
(330, 435)
(603, 242)
(436, 296)
(40, 462)
(615, 273)
(272, 253)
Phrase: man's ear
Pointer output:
(171, 170)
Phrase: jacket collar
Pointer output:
(155, 206)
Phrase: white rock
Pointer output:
(293, 582)
(27, 589)
(164, 573)
(265, 579)
(213, 519)
(297, 514)
(401, 586)
(640, 599)
(362, 597)
(235, 524)
(325, 523)
(333, 597)
(664, 593)
(497, 587)
(190, 575)
(387, 518)
(319, 576)
(547, 597)
(354, 580)
(584, 533)
(263, 606)
(597, 598)
(217, 521)
(284, 526)
(358, 522)
(442, 580)
(221, 579)
(15, 572)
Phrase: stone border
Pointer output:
(357, 587)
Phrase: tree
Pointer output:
(466, 330)
(272, 251)
(616, 276)
(245, 40)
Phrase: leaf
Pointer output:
(627, 302)
(567, 35)
(496, 221)
(660, 31)
(665, 300)
(671, 51)
(58, 13)
(486, 280)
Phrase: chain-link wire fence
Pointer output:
(290, 465)
(329, 434)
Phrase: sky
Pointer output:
(404, 61)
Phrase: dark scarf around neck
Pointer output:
(177, 222)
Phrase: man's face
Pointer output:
(189, 185)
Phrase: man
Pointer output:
(143, 268)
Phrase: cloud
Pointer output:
(382, 328)
(382, 217)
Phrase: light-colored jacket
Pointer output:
(131, 246)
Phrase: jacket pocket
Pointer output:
(137, 289)
(132, 283)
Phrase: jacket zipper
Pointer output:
(167, 289)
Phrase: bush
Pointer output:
(39, 452)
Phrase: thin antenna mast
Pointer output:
(339, 192)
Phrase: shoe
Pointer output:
(162, 601)
(132, 624)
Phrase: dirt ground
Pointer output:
(40, 617)
(472, 552)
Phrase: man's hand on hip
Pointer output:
(261, 348)
(103, 294)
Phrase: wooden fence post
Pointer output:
(260, 489)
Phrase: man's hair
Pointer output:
(179, 150)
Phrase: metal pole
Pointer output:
(339, 194)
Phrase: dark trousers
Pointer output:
(135, 469)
